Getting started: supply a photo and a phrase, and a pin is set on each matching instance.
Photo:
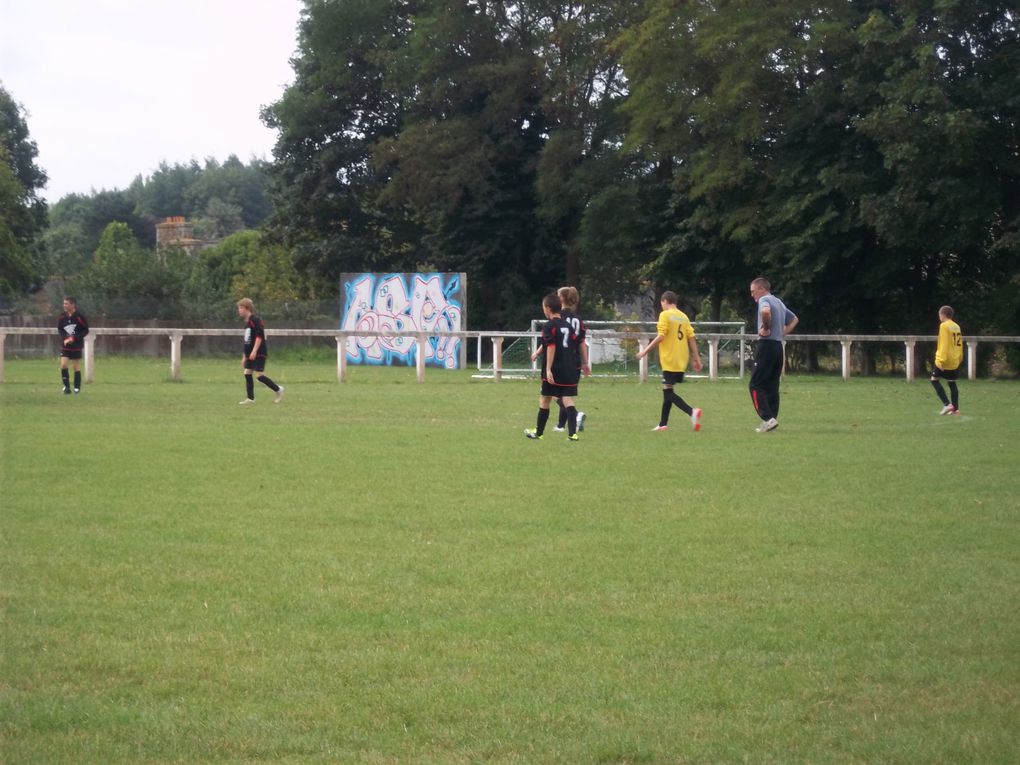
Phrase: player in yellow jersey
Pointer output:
(677, 347)
(948, 358)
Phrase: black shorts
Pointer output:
(69, 353)
(259, 365)
(672, 378)
(558, 391)
(945, 374)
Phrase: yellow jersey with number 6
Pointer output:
(674, 350)
(949, 352)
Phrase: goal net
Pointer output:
(613, 344)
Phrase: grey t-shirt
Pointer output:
(781, 316)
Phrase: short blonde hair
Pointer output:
(246, 303)
(947, 311)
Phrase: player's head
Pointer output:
(570, 298)
(70, 303)
(759, 287)
(245, 308)
(669, 298)
(551, 304)
(946, 312)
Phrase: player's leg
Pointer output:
(667, 404)
(561, 421)
(249, 387)
(756, 387)
(542, 418)
(679, 403)
(773, 393)
(954, 395)
(77, 374)
(947, 408)
(567, 402)
(65, 375)
(277, 389)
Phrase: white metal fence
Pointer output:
(176, 341)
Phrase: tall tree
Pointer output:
(323, 182)
(22, 210)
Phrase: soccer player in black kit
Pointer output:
(255, 352)
(72, 327)
(561, 368)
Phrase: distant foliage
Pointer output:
(218, 199)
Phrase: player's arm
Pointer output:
(255, 348)
(648, 348)
(585, 366)
(695, 353)
(550, 354)
(790, 324)
(766, 321)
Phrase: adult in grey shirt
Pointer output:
(775, 321)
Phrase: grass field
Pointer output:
(388, 572)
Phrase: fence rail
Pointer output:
(176, 338)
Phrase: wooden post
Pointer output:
(497, 358)
(972, 359)
(90, 358)
(419, 356)
(910, 359)
(3, 341)
(175, 355)
(846, 358)
(341, 358)
(642, 362)
(713, 359)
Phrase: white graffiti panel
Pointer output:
(402, 303)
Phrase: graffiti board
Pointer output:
(430, 302)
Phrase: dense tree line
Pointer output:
(865, 155)
(102, 245)
(218, 199)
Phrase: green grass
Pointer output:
(388, 572)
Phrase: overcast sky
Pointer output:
(113, 87)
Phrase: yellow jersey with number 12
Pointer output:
(949, 352)
(674, 350)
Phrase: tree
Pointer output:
(126, 280)
(323, 182)
(465, 136)
(862, 154)
(22, 211)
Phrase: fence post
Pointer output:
(642, 364)
(846, 357)
(743, 351)
(175, 355)
(910, 359)
(90, 358)
(341, 358)
(713, 359)
(972, 359)
(497, 358)
(3, 341)
(419, 361)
